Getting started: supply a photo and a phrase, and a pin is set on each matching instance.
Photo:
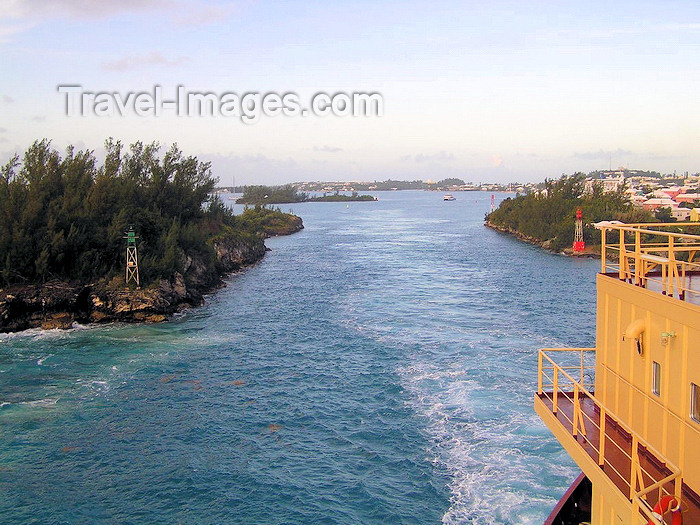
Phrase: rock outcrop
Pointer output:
(592, 252)
(59, 304)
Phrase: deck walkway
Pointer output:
(618, 448)
(691, 284)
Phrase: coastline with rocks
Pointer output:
(59, 304)
(591, 252)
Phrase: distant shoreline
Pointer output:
(325, 198)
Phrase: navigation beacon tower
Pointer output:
(132, 258)
(493, 203)
(579, 245)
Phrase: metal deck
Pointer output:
(617, 464)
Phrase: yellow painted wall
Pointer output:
(606, 511)
(624, 378)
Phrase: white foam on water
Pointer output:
(491, 479)
(95, 387)
(40, 403)
(35, 334)
(41, 360)
(39, 334)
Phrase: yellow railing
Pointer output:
(646, 256)
(640, 498)
(557, 377)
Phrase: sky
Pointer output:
(496, 91)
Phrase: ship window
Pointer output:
(656, 378)
(695, 402)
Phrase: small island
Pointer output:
(63, 226)
(286, 194)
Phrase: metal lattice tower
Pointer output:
(579, 245)
(132, 258)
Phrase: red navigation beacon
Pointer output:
(579, 245)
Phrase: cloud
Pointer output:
(3, 130)
(253, 169)
(600, 154)
(4, 139)
(442, 156)
(202, 15)
(328, 149)
(38, 119)
(81, 9)
(7, 99)
(136, 62)
(11, 29)
(259, 168)
(626, 155)
(17, 16)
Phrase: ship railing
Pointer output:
(568, 397)
(641, 503)
(578, 360)
(646, 256)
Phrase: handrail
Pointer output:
(639, 262)
(641, 504)
(637, 492)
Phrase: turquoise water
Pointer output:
(377, 367)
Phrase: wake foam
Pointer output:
(483, 444)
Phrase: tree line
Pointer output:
(284, 194)
(549, 215)
(64, 216)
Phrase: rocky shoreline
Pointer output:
(590, 252)
(59, 304)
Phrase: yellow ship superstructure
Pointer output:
(628, 410)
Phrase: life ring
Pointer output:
(666, 504)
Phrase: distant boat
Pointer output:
(448, 197)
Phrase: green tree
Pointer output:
(550, 215)
(664, 215)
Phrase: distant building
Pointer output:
(637, 199)
(688, 197)
(610, 184)
(680, 214)
(670, 192)
(656, 203)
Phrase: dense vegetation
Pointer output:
(64, 217)
(550, 216)
(261, 195)
(449, 182)
(271, 195)
(264, 221)
(393, 185)
(341, 197)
